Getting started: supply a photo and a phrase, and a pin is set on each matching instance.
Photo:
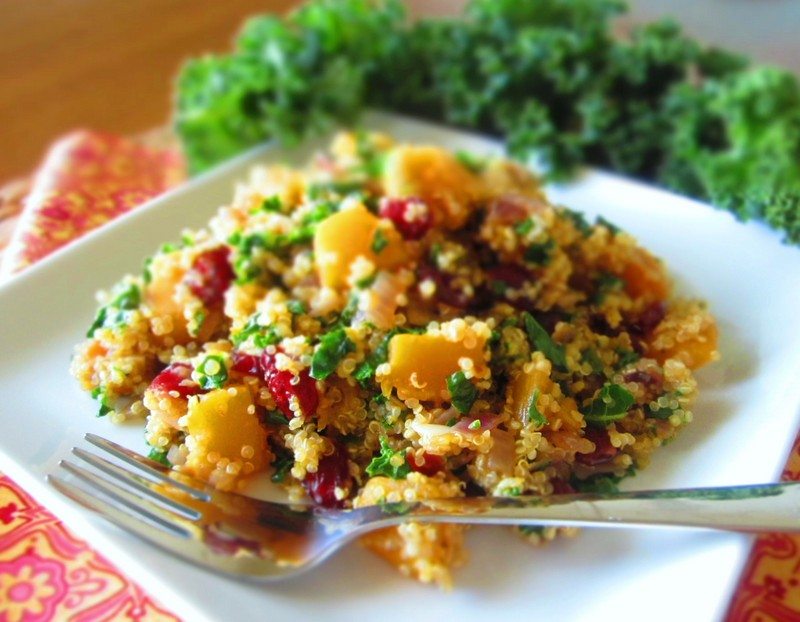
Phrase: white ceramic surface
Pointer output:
(745, 421)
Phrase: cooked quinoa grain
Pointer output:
(390, 325)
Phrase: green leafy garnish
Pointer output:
(611, 404)
(471, 161)
(333, 347)
(626, 357)
(99, 394)
(283, 463)
(602, 483)
(379, 241)
(115, 313)
(462, 392)
(365, 372)
(607, 283)
(614, 229)
(534, 415)
(271, 204)
(539, 254)
(577, 219)
(524, 227)
(590, 356)
(160, 456)
(389, 462)
(297, 307)
(275, 418)
(662, 412)
(212, 372)
(541, 341)
(263, 336)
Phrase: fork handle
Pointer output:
(748, 509)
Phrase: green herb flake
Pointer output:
(475, 425)
(115, 313)
(379, 241)
(275, 417)
(578, 220)
(281, 466)
(524, 227)
(661, 412)
(160, 456)
(99, 394)
(271, 204)
(262, 336)
(611, 404)
(388, 462)
(333, 347)
(147, 274)
(366, 282)
(590, 356)
(462, 392)
(607, 283)
(366, 370)
(626, 357)
(614, 229)
(212, 372)
(297, 307)
(541, 341)
(534, 414)
(471, 161)
(539, 254)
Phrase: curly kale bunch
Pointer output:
(547, 76)
(286, 78)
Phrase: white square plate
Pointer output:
(745, 421)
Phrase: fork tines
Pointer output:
(136, 501)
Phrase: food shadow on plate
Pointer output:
(718, 385)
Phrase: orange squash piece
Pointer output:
(221, 422)
(645, 276)
(438, 178)
(421, 364)
(351, 233)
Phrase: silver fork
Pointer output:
(239, 535)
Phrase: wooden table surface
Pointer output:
(109, 64)
(106, 64)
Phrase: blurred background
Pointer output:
(109, 64)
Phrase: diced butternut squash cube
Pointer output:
(419, 365)
(523, 387)
(352, 233)
(224, 427)
(645, 276)
(688, 333)
(434, 175)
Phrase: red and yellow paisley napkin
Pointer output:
(48, 574)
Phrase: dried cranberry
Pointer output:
(648, 320)
(431, 463)
(599, 325)
(510, 274)
(561, 487)
(650, 379)
(244, 363)
(446, 293)
(283, 385)
(210, 275)
(176, 377)
(411, 216)
(603, 452)
(332, 472)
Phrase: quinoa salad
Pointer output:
(397, 322)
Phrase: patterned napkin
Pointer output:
(48, 574)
